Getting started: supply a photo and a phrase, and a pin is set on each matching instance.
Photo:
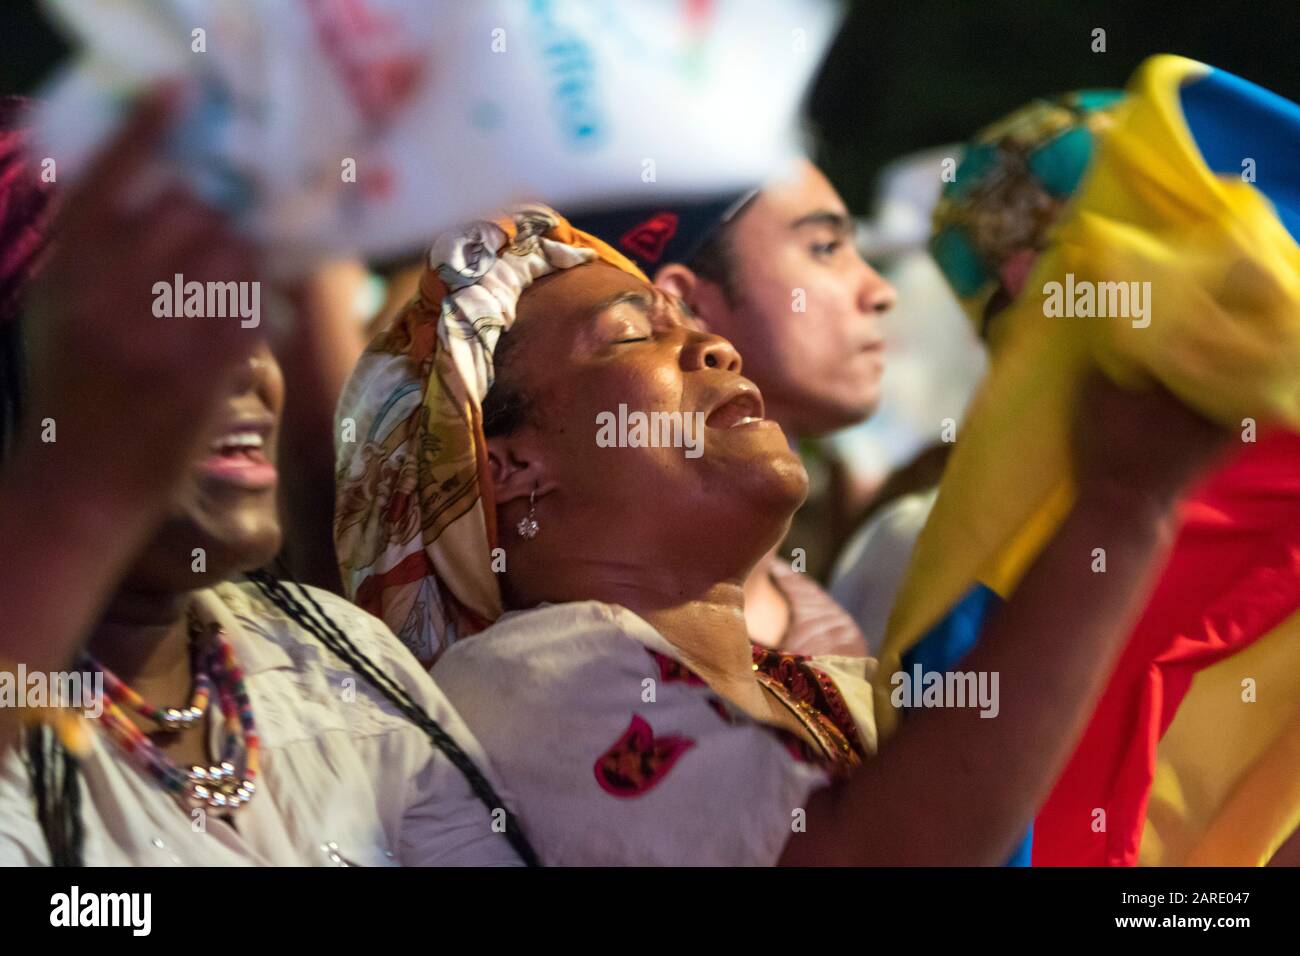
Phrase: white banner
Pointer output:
(340, 126)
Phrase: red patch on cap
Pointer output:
(638, 760)
(649, 239)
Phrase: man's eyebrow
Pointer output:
(824, 217)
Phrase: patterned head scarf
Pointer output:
(1014, 181)
(414, 524)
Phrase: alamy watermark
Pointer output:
(202, 300)
(922, 688)
(130, 910)
(1085, 300)
(74, 690)
(651, 430)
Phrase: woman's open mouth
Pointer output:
(237, 458)
(744, 406)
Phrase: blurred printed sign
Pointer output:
(332, 126)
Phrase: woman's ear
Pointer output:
(516, 470)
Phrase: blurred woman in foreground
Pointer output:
(241, 723)
(613, 683)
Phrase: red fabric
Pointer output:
(1233, 576)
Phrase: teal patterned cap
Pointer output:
(1015, 178)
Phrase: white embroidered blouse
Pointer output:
(619, 755)
(345, 779)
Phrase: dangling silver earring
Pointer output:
(528, 526)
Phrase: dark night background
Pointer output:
(907, 75)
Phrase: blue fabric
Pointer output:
(952, 638)
(1232, 120)
(944, 647)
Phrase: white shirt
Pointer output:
(345, 779)
(870, 571)
(619, 757)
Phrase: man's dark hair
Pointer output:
(715, 261)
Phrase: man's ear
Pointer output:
(677, 279)
(516, 470)
(681, 281)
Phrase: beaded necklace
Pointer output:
(229, 784)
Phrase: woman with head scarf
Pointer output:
(588, 578)
(226, 721)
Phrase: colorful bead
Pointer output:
(224, 787)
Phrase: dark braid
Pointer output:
(316, 622)
(55, 776)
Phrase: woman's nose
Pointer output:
(706, 350)
(257, 373)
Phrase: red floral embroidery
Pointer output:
(833, 706)
(793, 675)
(797, 749)
(673, 671)
(719, 708)
(638, 760)
(805, 684)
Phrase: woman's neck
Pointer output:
(705, 621)
(712, 639)
(711, 635)
(143, 638)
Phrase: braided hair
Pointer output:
(55, 776)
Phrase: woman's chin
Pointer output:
(217, 547)
(235, 555)
(253, 553)
(773, 479)
(792, 478)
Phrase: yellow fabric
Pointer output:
(1226, 789)
(1223, 335)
